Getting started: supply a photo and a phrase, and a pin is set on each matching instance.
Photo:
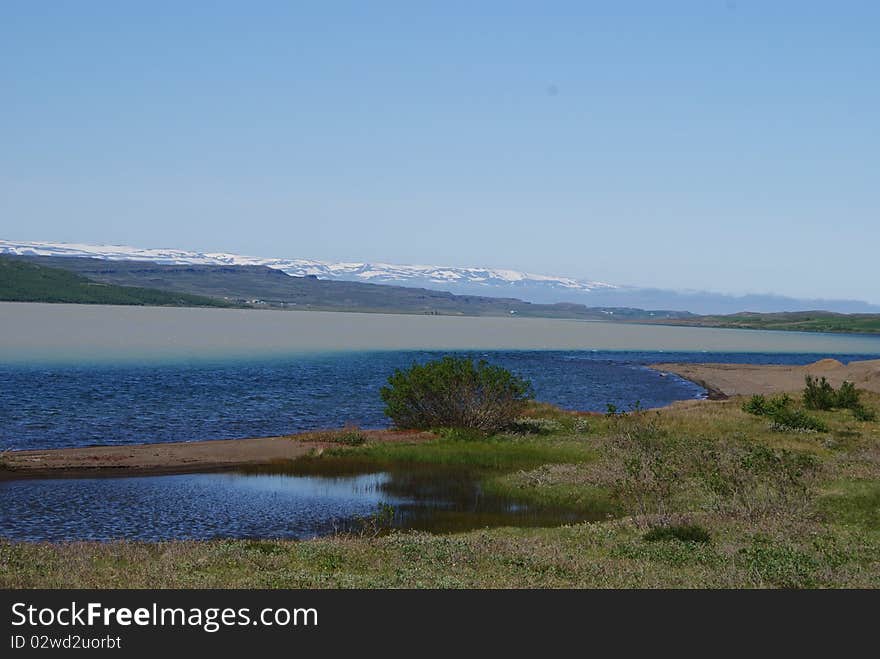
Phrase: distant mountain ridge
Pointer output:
(32, 278)
(370, 272)
(497, 282)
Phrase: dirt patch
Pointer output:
(179, 457)
(747, 379)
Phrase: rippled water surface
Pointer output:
(234, 505)
(78, 376)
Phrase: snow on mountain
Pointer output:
(468, 281)
(413, 275)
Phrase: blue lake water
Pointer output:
(79, 376)
(66, 405)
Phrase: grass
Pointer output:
(500, 453)
(681, 532)
(801, 321)
(831, 540)
(854, 504)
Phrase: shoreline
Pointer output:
(169, 458)
(725, 380)
(721, 382)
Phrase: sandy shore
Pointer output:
(724, 380)
(175, 458)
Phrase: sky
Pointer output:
(731, 146)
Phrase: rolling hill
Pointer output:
(21, 281)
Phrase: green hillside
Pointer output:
(803, 321)
(21, 281)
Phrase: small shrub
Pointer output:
(756, 405)
(847, 397)
(796, 420)
(819, 394)
(455, 393)
(760, 406)
(683, 532)
(782, 417)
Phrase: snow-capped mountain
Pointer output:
(431, 276)
(471, 281)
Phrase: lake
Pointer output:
(75, 333)
(75, 375)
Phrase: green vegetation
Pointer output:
(683, 533)
(27, 282)
(455, 392)
(782, 416)
(801, 321)
(699, 494)
(820, 395)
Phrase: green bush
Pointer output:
(455, 392)
(756, 405)
(847, 397)
(760, 406)
(819, 394)
(684, 533)
(782, 417)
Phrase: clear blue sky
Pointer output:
(727, 146)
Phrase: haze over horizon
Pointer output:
(718, 146)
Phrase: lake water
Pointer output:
(64, 405)
(80, 375)
(76, 375)
(32, 333)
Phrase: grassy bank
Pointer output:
(704, 464)
(799, 321)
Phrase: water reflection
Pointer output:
(276, 502)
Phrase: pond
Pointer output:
(276, 502)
